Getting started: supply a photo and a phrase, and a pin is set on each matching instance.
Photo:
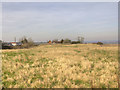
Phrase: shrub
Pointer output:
(75, 42)
(26, 43)
(67, 41)
(62, 41)
(6, 46)
(55, 41)
(24, 40)
(99, 43)
(0, 44)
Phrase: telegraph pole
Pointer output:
(15, 39)
(78, 38)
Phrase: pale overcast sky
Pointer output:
(44, 21)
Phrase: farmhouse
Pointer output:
(13, 43)
(16, 43)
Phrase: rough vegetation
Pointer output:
(61, 66)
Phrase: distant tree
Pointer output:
(30, 42)
(0, 41)
(99, 43)
(82, 40)
(75, 42)
(24, 40)
(78, 38)
(55, 41)
(26, 43)
(67, 40)
(0, 44)
(62, 41)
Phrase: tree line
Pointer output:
(28, 42)
(23, 43)
(63, 41)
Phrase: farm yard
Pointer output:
(61, 66)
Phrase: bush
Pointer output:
(24, 40)
(55, 41)
(7, 47)
(99, 43)
(75, 42)
(0, 44)
(62, 41)
(26, 43)
(67, 41)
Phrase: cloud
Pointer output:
(43, 21)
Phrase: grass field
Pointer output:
(61, 66)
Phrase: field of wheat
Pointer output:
(61, 66)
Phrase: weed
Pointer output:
(78, 82)
(72, 68)
(78, 51)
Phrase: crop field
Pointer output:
(61, 66)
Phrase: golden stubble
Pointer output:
(74, 66)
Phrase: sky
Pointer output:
(43, 21)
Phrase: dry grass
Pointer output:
(61, 66)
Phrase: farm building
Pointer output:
(16, 43)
